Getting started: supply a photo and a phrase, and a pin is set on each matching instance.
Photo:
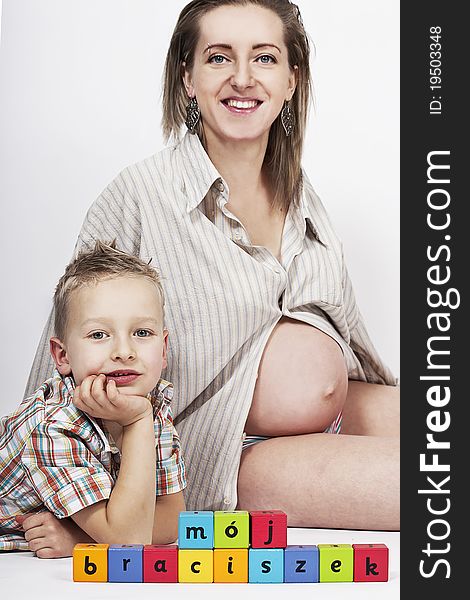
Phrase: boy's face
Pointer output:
(115, 328)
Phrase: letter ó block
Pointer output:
(195, 566)
(125, 563)
(370, 562)
(231, 565)
(231, 529)
(266, 565)
(160, 563)
(336, 562)
(301, 564)
(268, 529)
(196, 529)
(90, 562)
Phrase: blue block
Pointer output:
(266, 565)
(196, 529)
(125, 563)
(301, 564)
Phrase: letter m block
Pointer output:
(196, 529)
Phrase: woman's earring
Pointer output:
(287, 118)
(192, 114)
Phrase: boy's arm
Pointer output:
(165, 524)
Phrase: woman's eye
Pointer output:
(142, 333)
(266, 59)
(98, 335)
(217, 59)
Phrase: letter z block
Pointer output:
(231, 565)
(90, 562)
(231, 529)
(195, 566)
(301, 564)
(161, 563)
(268, 529)
(196, 529)
(266, 565)
(125, 563)
(370, 562)
(336, 562)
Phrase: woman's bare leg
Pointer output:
(371, 409)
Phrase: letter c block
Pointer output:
(370, 562)
(336, 562)
(195, 566)
(196, 529)
(90, 562)
(161, 563)
(231, 529)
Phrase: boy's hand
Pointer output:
(103, 400)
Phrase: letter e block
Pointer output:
(266, 566)
(336, 562)
(125, 563)
(161, 563)
(90, 562)
(370, 562)
(196, 529)
(231, 529)
(231, 565)
(301, 564)
(195, 566)
(268, 529)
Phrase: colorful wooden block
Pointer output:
(90, 562)
(268, 529)
(196, 529)
(231, 529)
(370, 562)
(301, 564)
(231, 565)
(125, 563)
(266, 565)
(195, 566)
(160, 563)
(336, 562)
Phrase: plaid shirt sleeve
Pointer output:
(66, 475)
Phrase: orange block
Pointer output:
(90, 562)
(230, 565)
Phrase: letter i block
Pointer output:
(336, 562)
(196, 529)
(161, 564)
(231, 529)
(266, 566)
(370, 562)
(231, 565)
(195, 566)
(301, 564)
(90, 562)
(268, 529)
(125, 563)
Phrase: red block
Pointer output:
(160, 564)
(268, 529)
(370, 562)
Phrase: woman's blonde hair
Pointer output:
(284, 153)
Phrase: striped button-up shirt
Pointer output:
(55, 457)
(224, 296)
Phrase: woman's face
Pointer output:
(241, 75)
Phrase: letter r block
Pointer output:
(336, 562)
(90, 562)
(125, 563)
(196, 529)
(231, 529)
(268, 529)
(161, 563)
(370, 562)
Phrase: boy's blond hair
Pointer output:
(89, 267)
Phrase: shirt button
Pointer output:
(226, 501)
(243, 437)
(238, 237)
(220, 186)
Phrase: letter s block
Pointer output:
(125, 563)
(90, 562)
(161, 563)
(336, 562)
(266, 565)
(231, 529)
(268, 529)
(370, 562)
(195, 566)
(196, 529)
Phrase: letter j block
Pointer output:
(196, 529)
(370, 562)
(90, 562)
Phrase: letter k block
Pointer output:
(370, 562)
(196, 529)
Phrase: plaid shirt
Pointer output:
(54, 456)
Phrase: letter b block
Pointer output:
(231, 529)
(161, 563)
(336, 562)
(195, 566)
(268, 529)
(125, 563)
(370, 562)
(90, 562)
(196, 529)
(301, 564)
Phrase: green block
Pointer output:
(231, 529)
(336, 562)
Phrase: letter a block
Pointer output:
(196, 529)
(161, 563)
(301, 564)
(125, 563)
(195, 566)
(90, 562)
(231, 529)
(370, 562)
(336, 562)
(266, 566)
(268, 529)
(231, 565)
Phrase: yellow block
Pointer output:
(90, 562)
(195, 566)
(231, 565)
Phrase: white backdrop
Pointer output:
(80, 100)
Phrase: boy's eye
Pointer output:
(98, 335)
(142, 333)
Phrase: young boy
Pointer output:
(93, 454)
